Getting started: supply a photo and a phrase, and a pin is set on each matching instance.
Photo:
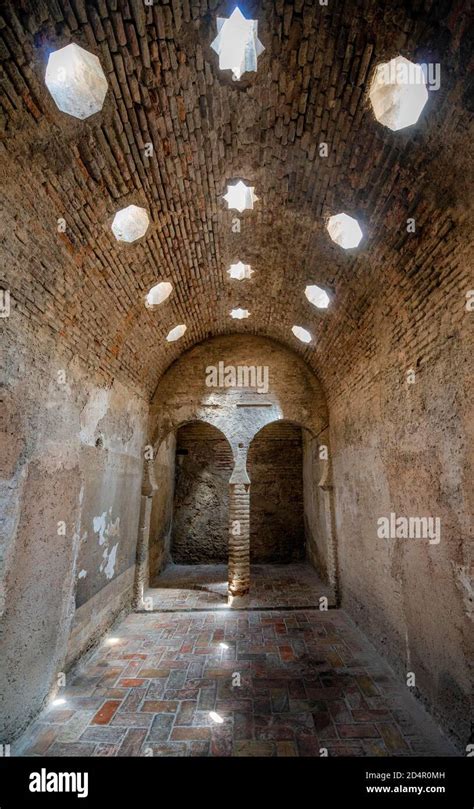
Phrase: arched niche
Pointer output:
(191, 525)
(237, 384)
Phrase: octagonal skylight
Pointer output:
(176, 333)
(237, 43)
(239, 314)
(301, 334)
(317, 296)
(76, 81)
(240, 271)
(158, 294)
(240, 197)
(130, 224)
(344, 230)
(398, 93)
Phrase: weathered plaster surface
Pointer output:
(182, 395)
(405, 448)
(55, 482)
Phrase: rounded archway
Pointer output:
(275, 468)
(200, 527)
(291, 508)
(189, 517)
(238, 384)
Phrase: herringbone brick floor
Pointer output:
(282, 683)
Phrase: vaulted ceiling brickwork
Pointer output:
(166, 88)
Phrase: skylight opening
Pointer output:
(344, 230)
(240, 271)
(239, 314)
(301, 334)
(176, 333)
(317, 296)
(398, 93)
(237, 44)
(240, 197)
(130, 224)
(158, 294)
(76, 81)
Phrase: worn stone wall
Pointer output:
(204, 464)
(72, 453)
(162, 505)
(397, 302)
(294, 393)
(317, 515)
(275, 467)
(405, 447)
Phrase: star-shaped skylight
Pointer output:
(237, 43)
(240, 197)
(240, 271)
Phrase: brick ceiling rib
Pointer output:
(165, 88)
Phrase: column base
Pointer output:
(239, 590)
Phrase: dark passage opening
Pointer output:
(204, 465)
(275, 467)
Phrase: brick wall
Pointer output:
(204, 464)
(398, 302)
(275, 466)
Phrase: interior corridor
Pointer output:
(236, 428)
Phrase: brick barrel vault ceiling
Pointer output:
(165, 87)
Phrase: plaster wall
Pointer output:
(70, 515)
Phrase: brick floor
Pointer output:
(198, 587)
(284, 683)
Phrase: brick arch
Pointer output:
(295, 392)
(292, 392)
